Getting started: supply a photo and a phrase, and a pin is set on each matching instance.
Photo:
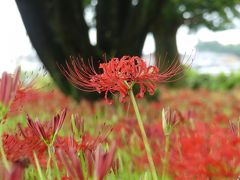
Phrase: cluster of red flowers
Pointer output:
(199, 148)
(202, 143)
(35, 138)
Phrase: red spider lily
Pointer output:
(71, 163)
(13, 90)
(8, 86)
(24, 95)
(90, 143)
(22, 145)
(104, 161)
(38, 128)
(100, 160)
(118, 75)
(17, 147)
(16, 171)
(58, 121)
(77, 125)
(169, 120)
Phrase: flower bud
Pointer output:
(169, 120)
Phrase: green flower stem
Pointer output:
(56, 168)
(4, 158)
(40, 174)
(49, 171)
(3, 155)
(51, 155)
(144, 136)
(165, 160)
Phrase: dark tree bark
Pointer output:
(166, 47)
(164, 30)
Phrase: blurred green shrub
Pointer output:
(194, 80)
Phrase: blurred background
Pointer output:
(36, 34)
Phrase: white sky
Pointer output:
(13, 38)
(14, 42)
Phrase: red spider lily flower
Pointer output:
(100, 160)
(118, 75)
(38, 128)
(21, 145)
(104, 161)
(16, 171)
(169, 120)
(9, 83)
(8, 86)
(71, 163)
(58, 121)
(90, 143)
(77, 125)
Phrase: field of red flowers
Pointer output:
(192, 134)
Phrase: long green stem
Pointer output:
(49, 171)
(56, 168)
(144, 136)
(3, 155)
(40, 174)
(165, 161)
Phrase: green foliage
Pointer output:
(222, 81)
(216, 47)
(215, 15)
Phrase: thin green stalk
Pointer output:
(144, 136)
(40, 174)
(165, 161)
(83, 164)
(49, 171)
(3, 155)
(4, 158)
(56, 168)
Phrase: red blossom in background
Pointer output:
(90, 143)
(56, 124)
(16, 171)
(169, 120)
(100, 160)
(72, 163)
(8, 86)
(104, 161)
(118, 75)
(12, 92)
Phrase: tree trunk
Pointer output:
(122, 27)
(166, 50)
(166, 47)
(57, 30)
